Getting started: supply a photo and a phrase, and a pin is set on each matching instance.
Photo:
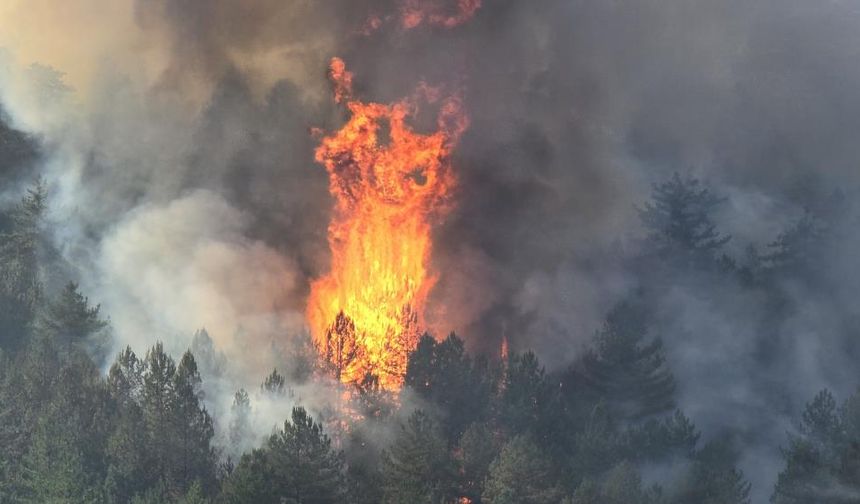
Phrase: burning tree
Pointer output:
(341, 348)
(390, 185)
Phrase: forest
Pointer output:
(83, 423)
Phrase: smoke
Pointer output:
(175, 139)
(173, 269)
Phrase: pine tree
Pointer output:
(253, 480)
(129, 455)
(302, 357)
(194, 495)
(297, 465)
(663, 438)
(70, 319)
(598, 445)
(42, 361)
(527, 402)
(341, 347)
(240, 424)
(476, 451)
(212, 362)
(679, 221)
(626, 373)
(620, 485)
(65, 459)
(364, 460)
(54, 467)
(125, 377)
(417, 468)
(14, 429)
(623, 485)
(521, 474)
(274, 384)
(157, 400)
(819, 454)
(17, 151)
(20, 284)
(588, 492)
(447, 377)
(193, 429)
(713, 478)
(305, 453)
(795, 250)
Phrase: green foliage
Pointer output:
(713, 478)
(506, 432)
(418, 467)
(447, 377)
(17, 152)
(192, 429)
(66, 453)
(527, 400)
(212, 362)
(302, 358)
(156, 405)
(679, 222)
(125, 378)
(240, 423)
(14, 429)
(364, 461)
(20, 284)
(274, 384)
(620, 485)
(297, 465)
(521, 474)
(626, 372)
(823, 459)
(70, 318)
(795, 250)
(194, 495)
(163, 434)
(251, 481)
(477, 449)
(660, 439)
(598, 445)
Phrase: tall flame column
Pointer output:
(390, 184)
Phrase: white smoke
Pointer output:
(171, 269)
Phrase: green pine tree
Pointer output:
(447, 377)
(417, 467)
(521, 474)
(157, 402)
(625, 371)
(20, 284)
(297, 466)
(69, 320)
(476, 451)
(679, 221)
(821, 461)
(713, 478)
(194, 459)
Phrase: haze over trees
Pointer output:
(492, 429)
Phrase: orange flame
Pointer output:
(390, 184)
(415, 12)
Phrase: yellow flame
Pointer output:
(389, 184)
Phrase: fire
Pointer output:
(437, 13)
(415, 12)
(390, 184)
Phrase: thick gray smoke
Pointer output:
(176, 142)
